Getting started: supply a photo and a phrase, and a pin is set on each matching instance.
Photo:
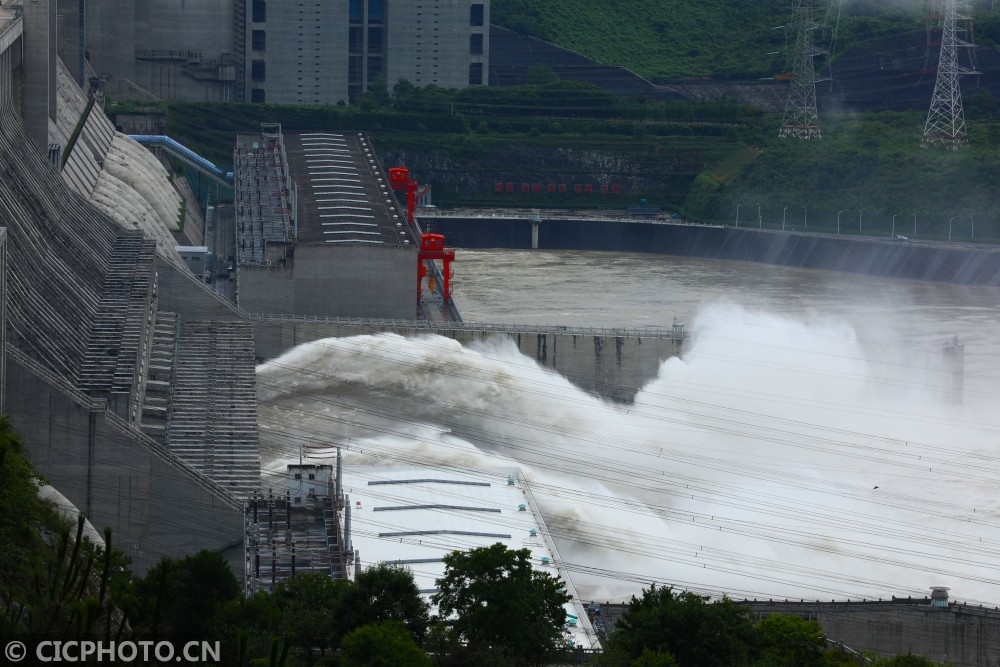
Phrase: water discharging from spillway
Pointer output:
(780, 458)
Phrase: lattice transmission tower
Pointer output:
(801, 119)
(946, 121)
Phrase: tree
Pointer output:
(309, 605)
(23, 516)
(183, 596)
(53, 580)
(790, 641)
(249, 625)
(402, 89)
(540, 73)
(384, 593)
(654, 659)
(388, 644)
(498, 602)
(688, 626)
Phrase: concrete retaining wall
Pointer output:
(612, 366)
(180, 292)
(324, 280)
(154, 505)
(882, 257)
(959, 635)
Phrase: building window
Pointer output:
(354, 40)
(354, 69)
(376, 11)
(258, 72)
(257, 95)
(298, 500)
(476, 74)
(374, 40)
(476, 15)
(259, 11)
(476, 44)
(357, 10)
(258, 40)
(375, 70)
(298, 475)
(312, 475)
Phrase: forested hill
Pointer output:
(666, 40)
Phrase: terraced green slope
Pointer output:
(675, 39)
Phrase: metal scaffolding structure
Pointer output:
(264, 197)
(303, 528)
(945, 124)
(801, 119)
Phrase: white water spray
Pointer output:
(781, 458)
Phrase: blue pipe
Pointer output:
(185, 154)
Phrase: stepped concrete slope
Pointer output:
(96, 354)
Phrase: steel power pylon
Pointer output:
(801, 120)
(945, 121)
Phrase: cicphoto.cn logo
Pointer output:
(141, 652)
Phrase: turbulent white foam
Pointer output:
(749, 468)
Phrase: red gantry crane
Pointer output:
(431, 245)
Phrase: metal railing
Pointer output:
(676, 332)
(573, 218)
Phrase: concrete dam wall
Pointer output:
(93, 375)
(611, 363)
(956, 634)
(912, 260)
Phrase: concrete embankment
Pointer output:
(957, 634)
(914, 260)
(611, 363)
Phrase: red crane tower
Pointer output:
(432, 247)
(399, 179)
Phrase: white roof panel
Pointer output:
(415, 516)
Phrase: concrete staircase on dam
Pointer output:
(114, 366)
(156, 401)
(212, 416)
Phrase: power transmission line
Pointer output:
(945, 124)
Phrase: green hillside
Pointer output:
(670, 39)
(702, 160)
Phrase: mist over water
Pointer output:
(786, 455)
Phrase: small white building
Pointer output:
(195, 259)
(308, 482)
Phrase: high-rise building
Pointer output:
(285, 51)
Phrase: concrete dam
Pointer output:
(133, 382)
(612, 363)
(939, 629)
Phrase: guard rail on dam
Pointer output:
(964, 264)
(957, 634)
(613, 363)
